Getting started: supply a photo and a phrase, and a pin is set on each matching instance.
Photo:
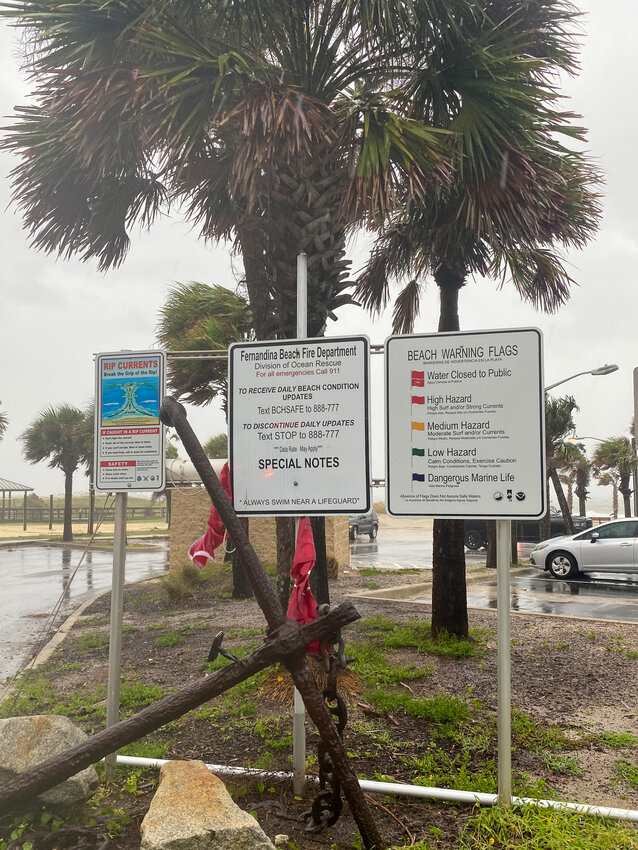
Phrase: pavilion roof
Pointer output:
(13, 486)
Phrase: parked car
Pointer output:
(527, 530)
(611, 547)
(364, 524)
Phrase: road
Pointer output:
(41, 585)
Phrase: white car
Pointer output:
(611, 547)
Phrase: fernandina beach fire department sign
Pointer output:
(299, 426)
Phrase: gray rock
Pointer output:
(26, 742)
(192, 810)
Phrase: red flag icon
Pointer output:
(204, 548)
(418, 379)
(303, 605)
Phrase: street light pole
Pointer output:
(607, 369)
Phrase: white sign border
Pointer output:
(154, 352)
(307, 510)
(542, 453)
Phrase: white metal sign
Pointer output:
(465, 425)
(129, 438)
(299, 426)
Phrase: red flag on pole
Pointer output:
(303, 605)
(204, 548)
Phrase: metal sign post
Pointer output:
(129, 455)
(465, 438)
(299, 714)
(117, 609)
(504, 673)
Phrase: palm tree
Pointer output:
(277, 125)
(197, 317)
(56, 435)
(559, 422)
(617, 455)
(515, 194)
(568, 478)
(606, 479)
(571, 458)
(4, 424)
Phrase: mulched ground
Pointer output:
(564, 672)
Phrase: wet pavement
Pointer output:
(597, 596)
(42, 585)
(399, 549)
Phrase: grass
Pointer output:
(535, 828)
(418, 635)
(403, 571)
(92, 642)
(626, 773)
(170, 639)
(378, 668)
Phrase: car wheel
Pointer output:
(562, 565)
(373, 532)
(354, 533)
(474, 540)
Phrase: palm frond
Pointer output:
(406, 308)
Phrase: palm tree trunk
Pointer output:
(285, 529)
(449, 282)
(449, 592)
(319, 574)
(625, 488)
(545, 525)
(562, 501)
(67, 533)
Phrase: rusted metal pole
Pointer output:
(172, 413)
(290, 639)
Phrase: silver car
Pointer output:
(611, 547)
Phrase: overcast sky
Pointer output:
(56, 314)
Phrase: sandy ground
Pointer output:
(14, 531)
(37, 531)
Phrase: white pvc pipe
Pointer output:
(450, 795)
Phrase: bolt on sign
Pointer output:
(129, 439)
(465, 424)
(299, 426)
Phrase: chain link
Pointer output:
(327, 805)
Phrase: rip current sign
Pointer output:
(465, 422)
(299, 426)
(129, 438)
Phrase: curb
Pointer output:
(406, 591)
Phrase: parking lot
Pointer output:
(404, 544)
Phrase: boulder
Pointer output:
(192, 810)
(26, 742)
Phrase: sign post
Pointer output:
(129, 454)
(465, 438)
